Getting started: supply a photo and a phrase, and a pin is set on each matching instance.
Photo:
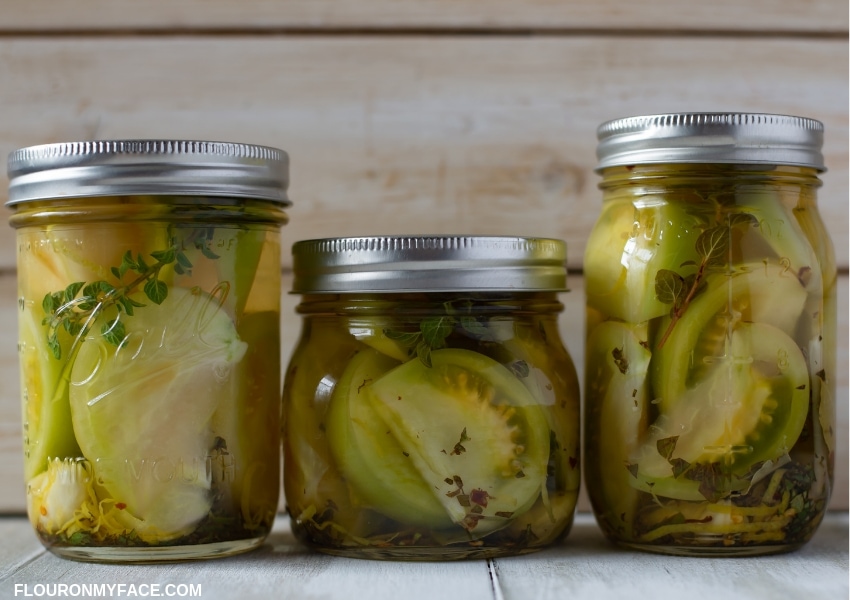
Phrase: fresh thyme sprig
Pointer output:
(433, 331)
(74, 308)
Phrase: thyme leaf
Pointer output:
(74, 309)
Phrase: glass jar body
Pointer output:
(710, 359)
(150, 366)
(430, 426)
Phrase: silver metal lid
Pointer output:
(429, 264)
(148, 167)
(741, 138)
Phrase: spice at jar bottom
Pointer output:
(430, 410)
(711, 316)
(149, 347)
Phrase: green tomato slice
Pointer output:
(618, 400)
(368, 454)
(474, 442)
(44, 388)
(628, 246)
(759, 293)
(751, 408)
(142, 410)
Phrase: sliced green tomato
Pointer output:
(760, 293)
(617, 397)
(67, 254)
(233, 255)
(369, 455)
(311, 477)
(625, 250)
(751, 408)
(792, 234)
(476, 440)
(249, 422)
(44, 391)
(54, 259)
(142, 410)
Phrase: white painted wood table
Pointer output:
(584, 566)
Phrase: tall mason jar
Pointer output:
(431, 411)
(711, 324)
(149, 309)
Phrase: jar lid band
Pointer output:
(737, 138)
(148, 167)
(429, 264)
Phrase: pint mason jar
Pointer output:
(431, 411)
(149, 309)
(711, 324)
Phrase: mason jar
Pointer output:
(431, 411)
(711, 324)
(149, 309)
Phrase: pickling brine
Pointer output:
(150, 374)
(430, 425)
(710, 358)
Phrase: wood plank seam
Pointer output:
(396, 31)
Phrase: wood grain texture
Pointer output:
(572, 332)
(584, 567)
(416, 135)
(595, 569)
(689, 15)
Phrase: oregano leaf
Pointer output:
(669, 287)
(713, 244)
(183, 260)
(47, 304)
(620, 360)
(743, 220)
(666, 446)
(680, 465)
(53, 345)
(435, 330)
(125, 303)
(165, 257)
(72, 290)
(405, 338)
(423, 351)
(113, 332)
(156, 291)
(475, 328)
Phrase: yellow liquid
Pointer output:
(150, 404)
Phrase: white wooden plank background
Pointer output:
(400, 118)
(817, 16)
(417, 134)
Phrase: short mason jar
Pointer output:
(149, 310)
(431, 411)
(711, 324)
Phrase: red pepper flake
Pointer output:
(479, 497)
(42, 510)
(573, 462)
(120, 505)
